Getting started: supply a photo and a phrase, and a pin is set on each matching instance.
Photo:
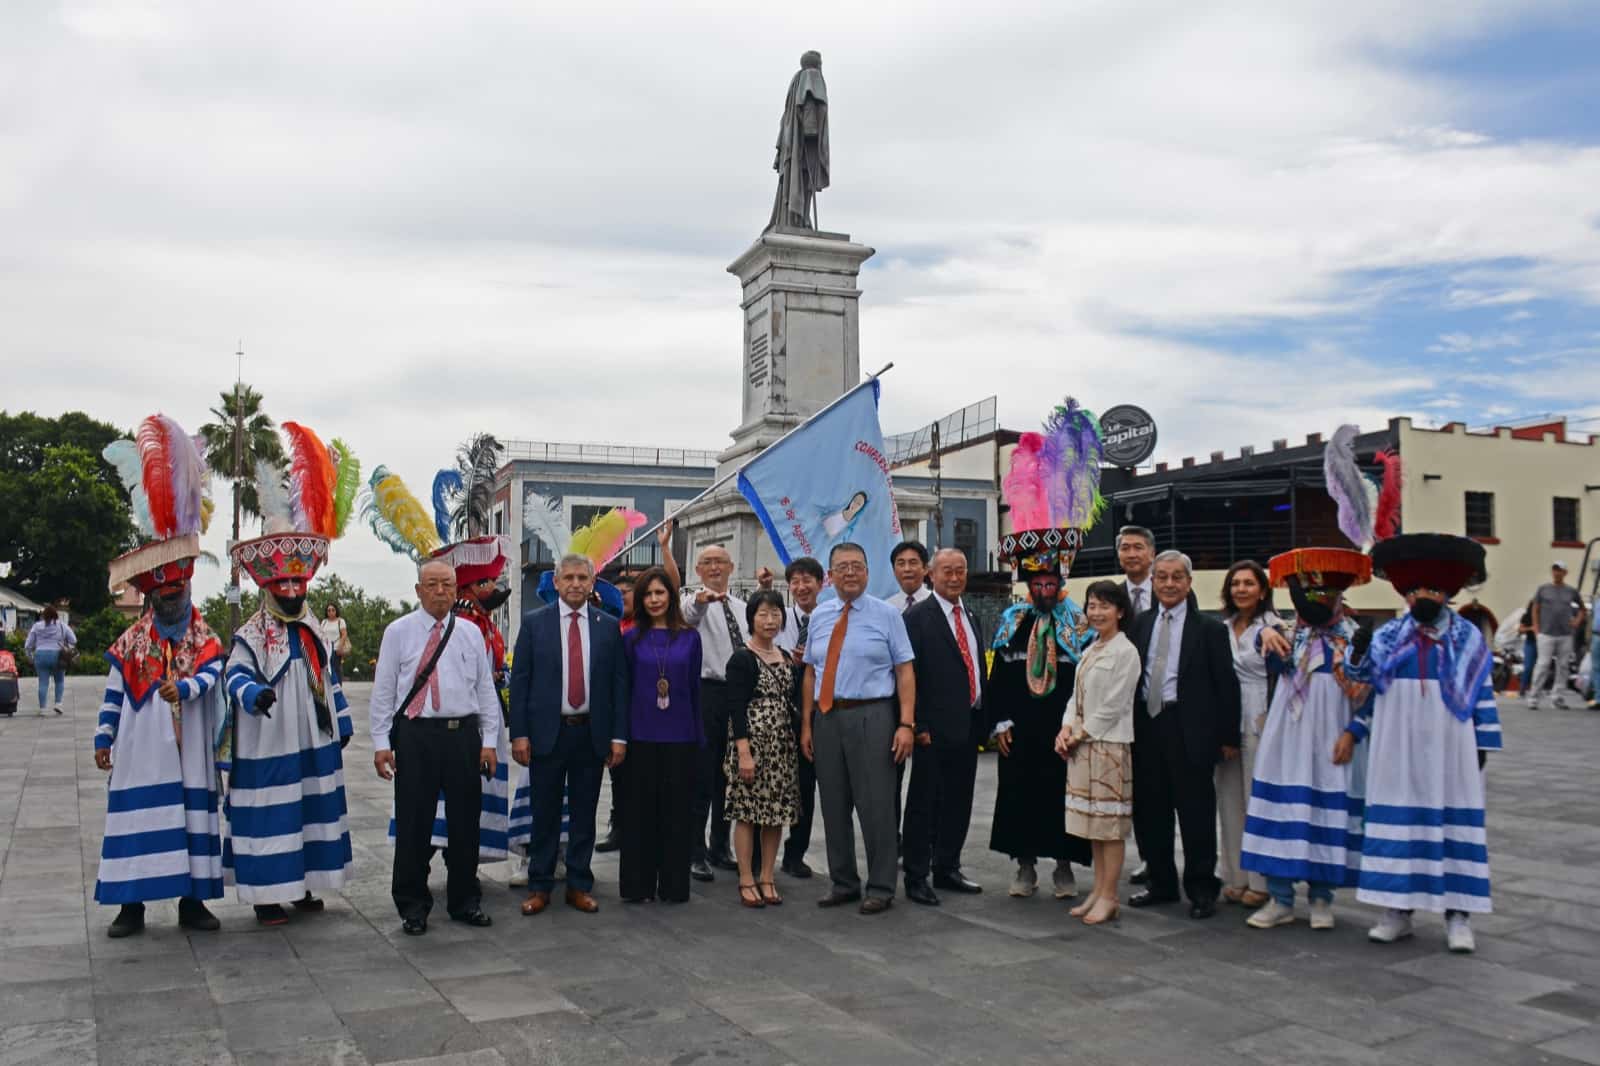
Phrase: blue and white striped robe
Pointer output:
(163, 832)
(1425, 846)
(286, 803)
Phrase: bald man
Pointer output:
(718, 615)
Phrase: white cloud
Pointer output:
(427, 220)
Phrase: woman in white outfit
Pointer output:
(1247, 607)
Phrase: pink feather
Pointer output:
(1023, 491)
(1387, 522)
(156, 472)
(188, 476)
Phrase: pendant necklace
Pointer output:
(663, 686)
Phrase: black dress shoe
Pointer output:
(838, 898)
(1141, 876)
(611, 843)
(797, 870)
(876, 904)
(722, 860)
(956, 881)
(192, 914)
(700, 871)
(414, 926)
(1203, 908)
(129, 920)
(918, 892)
(1148, 898)
(474, 917)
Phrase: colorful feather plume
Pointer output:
(1069, 467)
(1024, 495)
(124, 456)
(1352, 492)
(1387, 521)
(601, 539)
(347, 483)
(207, 507)
(397, 517)
(155, 473)
(543, 515)
(311, 481)
(447, 486)
(277, 513)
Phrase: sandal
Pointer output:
(1233, 894)
(1251, 898)
(750, 896)
(771, 899)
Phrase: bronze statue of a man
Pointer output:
(802, 160)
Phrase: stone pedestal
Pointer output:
(802, 351)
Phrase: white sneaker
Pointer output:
(1066, 886)
(1026, 882)
(1394, 925)
(1458, 934)
(1321, 914)
(517, 865)
(1273, 914)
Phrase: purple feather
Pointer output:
(1070, 466)
(188, 476)
(1348, 486)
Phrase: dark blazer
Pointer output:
(536, 680)
(943, 709)
(1208, 689)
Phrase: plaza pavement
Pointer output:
(980, 979)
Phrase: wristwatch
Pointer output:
(906, 725)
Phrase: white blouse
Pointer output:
(1108, 677)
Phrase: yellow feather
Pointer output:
(406, 514)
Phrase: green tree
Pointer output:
(61, 521)
(260, 441)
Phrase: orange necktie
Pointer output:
(830, 665)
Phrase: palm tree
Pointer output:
(260, 440)
(477, 462)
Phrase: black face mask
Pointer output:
(290, 606)
(500, 595)
(1426, 611)
(1316, 613)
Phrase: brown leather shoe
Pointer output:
(875, 905)
(582, 901)
(536, 902)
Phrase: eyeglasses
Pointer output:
(849, 568)
(438, 584)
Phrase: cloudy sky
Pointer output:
(424, 220)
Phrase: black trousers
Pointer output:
(711, 783)
(1167, 780)
(794, 849)
(655, 823)
(939, 807)
(431, 757)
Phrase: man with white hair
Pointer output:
(1186, 720)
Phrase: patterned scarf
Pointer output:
(1460, 652)
(1314, 647)
(1052, 635)
(265, 635)
(140, 655)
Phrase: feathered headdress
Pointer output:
(602, 538)
(397, 517)
(545, 517)
(300, 512)
(164, 471)
(1368, 512)
(1053, 489)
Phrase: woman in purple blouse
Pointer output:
(665, 735)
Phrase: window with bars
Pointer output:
(1480, 514)
(1564, 515)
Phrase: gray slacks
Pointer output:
(856, 774)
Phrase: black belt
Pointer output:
(840, 703)
(575, 719)
(443, 723)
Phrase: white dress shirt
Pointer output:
(900, 601)
(716, 647)
(568, 613)
(466, 680)
(1147, 597)
(966, 630)
(1169, 683)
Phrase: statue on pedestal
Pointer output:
(802, 160)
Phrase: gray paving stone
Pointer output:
(1508, 1021)
(1307, 1047)
(1485, 980)
(1462, 1047)
(1583, 1045)
(498, 996)
(318, 1053)
(415, 1033)
(204, 1048)
(46, 1001)
(281, 1022)
(395, 987)
(47, 1043)
(562, 1039)
(482, 1057)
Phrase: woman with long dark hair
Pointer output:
(1247, 608)
(51, 643)
(665, 737)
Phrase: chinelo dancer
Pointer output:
(288, 833)
(163, 706)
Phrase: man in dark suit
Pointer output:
(569, 718)
(1186, 719)
(950, 726)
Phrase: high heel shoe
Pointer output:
(1083, 908)
(750, 896)
(1116, 912)
(769, 898)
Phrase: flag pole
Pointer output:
(721, 481)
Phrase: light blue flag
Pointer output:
(829, 482)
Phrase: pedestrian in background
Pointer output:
(1557, 614)
(337, 634)
(51, 645)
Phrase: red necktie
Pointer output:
(431, 689)
(575, 691)
(966, 655)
